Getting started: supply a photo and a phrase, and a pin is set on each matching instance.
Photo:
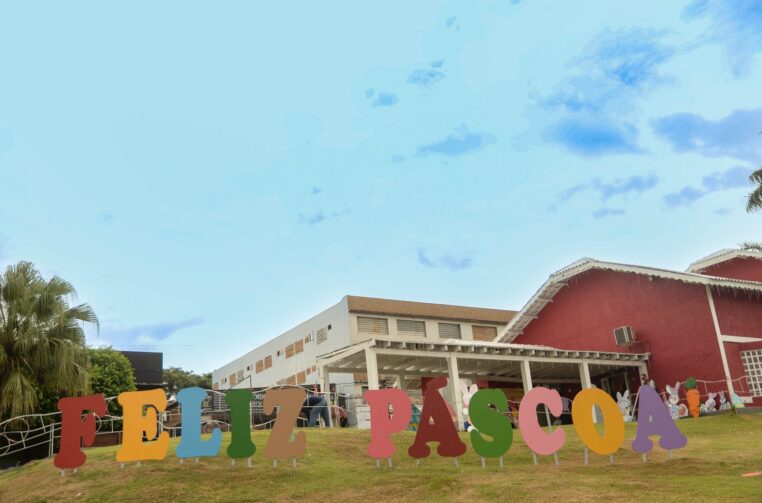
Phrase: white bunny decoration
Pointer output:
(673, 400)
(710, 405)
(724, 404)
(468, 392)
(623, 402)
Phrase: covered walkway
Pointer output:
(524, 365)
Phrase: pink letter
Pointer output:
(536, 439)
(381, 425)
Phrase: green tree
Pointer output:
(42, 340)
(754, 204)
(176, 379)
(755, 198)
(111, 373)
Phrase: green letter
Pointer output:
(241, 445)
(490, 422)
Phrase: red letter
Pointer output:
(536, 439)
(74, 428)
(442, 431)
(381, 425)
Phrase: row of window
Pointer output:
(267, 362)
(299, 377)
(752, 365)
(415, 328)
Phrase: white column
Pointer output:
(401, 381)
(717, 331)
(584, 377)
(371, 364)
(526, 375)
(325, 387)
(452, 381)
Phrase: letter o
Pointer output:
(613, 435)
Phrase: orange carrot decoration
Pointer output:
(693, 396)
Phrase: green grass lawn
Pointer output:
(336, 468)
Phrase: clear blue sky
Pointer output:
(208, 175)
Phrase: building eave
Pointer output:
(722, 256)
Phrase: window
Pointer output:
(301, 378)
(232, 380)
(752, 364)
(449, 331)
(482, 333)
(373, 326)
(291, 380)
(307, 338)
(239, 376)
(298, 346)
(260, 366)
(216, 386)
(322, 335)
(308, 371)
(248, 368)
(289, 351)
(411, 328)
(268, 362)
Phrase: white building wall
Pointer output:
(337, 337)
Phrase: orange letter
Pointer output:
(290, 401)
(582, 415)
(136, 423)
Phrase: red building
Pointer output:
(705, 323)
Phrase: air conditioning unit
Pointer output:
(624, 336)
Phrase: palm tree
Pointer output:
(42, 340)
(755, 198)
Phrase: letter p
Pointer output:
(381, 424)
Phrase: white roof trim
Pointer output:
(558, 280)
(722, 256)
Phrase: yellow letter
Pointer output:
(582, 415)
(136, 423)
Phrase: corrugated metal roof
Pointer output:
(371, 305)
(722, 256)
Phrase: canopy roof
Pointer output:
(476, 359)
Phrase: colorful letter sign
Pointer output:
(75, 429)
(582, 416)
(390, 412)
(536, 439)
(490, 422)
(141, 409)
(290, 402)
(191, 444)
(384, 424)
(654, 419)
(436, 425)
